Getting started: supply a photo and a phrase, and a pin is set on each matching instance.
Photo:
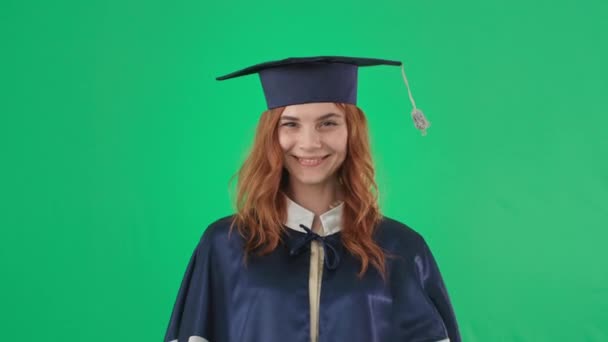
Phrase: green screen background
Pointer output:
(117, 145)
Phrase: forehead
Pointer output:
(311, 110)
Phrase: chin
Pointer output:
(310, 180)
(308, 177)
(304, 178)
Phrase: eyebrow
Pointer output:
(328, 115)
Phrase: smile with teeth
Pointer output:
(310, 162)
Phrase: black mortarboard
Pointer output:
(299, 80)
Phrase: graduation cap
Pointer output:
(297, 80)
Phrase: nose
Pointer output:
(309, 138)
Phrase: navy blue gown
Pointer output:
(221, 300)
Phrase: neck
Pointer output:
(317, 198)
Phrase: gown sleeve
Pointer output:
(435, 288)
(191, 317)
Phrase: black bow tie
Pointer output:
(332, 257)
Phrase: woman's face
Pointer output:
(313, 137)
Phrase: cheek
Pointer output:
(286, 142)
(339, 142)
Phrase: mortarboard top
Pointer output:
(297, 80)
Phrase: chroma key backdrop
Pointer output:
(117, 148)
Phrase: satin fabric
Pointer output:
(222, 300)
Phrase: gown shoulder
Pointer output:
(400, 236)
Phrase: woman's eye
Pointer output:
(326, 123)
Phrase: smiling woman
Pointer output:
(314, 258)
(314, 146)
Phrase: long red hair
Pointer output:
(261, 210)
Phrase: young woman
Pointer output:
(313, 258)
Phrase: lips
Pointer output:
(311, 161)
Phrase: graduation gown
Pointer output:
(307, 290)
